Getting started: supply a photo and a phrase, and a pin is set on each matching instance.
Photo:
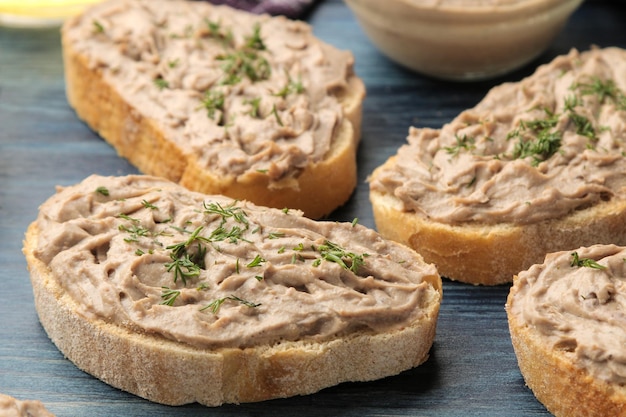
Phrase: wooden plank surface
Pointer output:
(472, 370)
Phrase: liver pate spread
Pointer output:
(576, 300)
(11, 407)
(529, 151)
(244, 93)
(211, 272)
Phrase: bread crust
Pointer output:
(565, 389)
(10, 406)
(491, 254)
(173, 373)
(317, 190)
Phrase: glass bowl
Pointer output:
(462, 39)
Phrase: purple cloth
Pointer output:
(291, 8)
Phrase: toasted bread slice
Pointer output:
(181, 297)
(536, 167)
(220, 100)
(567, 328)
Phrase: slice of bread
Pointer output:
(181, 297)
(537, 166)
(12, 407)
(566, 319)
(219, 100)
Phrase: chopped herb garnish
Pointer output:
(127, 217)
(161, 83)
(214, 101)
(585, 262)
(604, 90)
(97, 27)
(230, 211)
(257, 261)
(243, 63)
(168, 296)
(103, 190)
(276, 115)
(149, 205)
(276, 235)
(184, 264)
(255, 104)
(583, 125)
(216, 32)
(135, 230)
(233, 235)
(184, 267)
(543, 142)
(215, 305)
(292, 87)
(332, 252)
(254, 41)
(462, 143)
(180, 248)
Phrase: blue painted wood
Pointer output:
(472, 370)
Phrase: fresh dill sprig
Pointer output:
(255, 41)
(332, 252)
(215, 305)
(603, 89)
(233, 235)
(161, 83)
(185, 264)
(255, 107)
(243, 63)
(149, 205)
(168, 296)
(213, 101)
(184, 267)
(291, 87)
(230, 211)
(97, 27)
(135, 229)
(257, 261)
(585, 262)
(103, 190)
(276, 115)
(544, 141)
(216, 31)
(462, 143)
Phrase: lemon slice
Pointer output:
(39, 13)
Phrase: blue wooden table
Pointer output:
(472, 370)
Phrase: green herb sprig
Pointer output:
(168, 296)
(216, 31)
(585, 262)
(332, 252)
(604, 90)
(544, 143)
(214, 101)
(187, 265)
(215, 305)
(103, 190)
(462, 143)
